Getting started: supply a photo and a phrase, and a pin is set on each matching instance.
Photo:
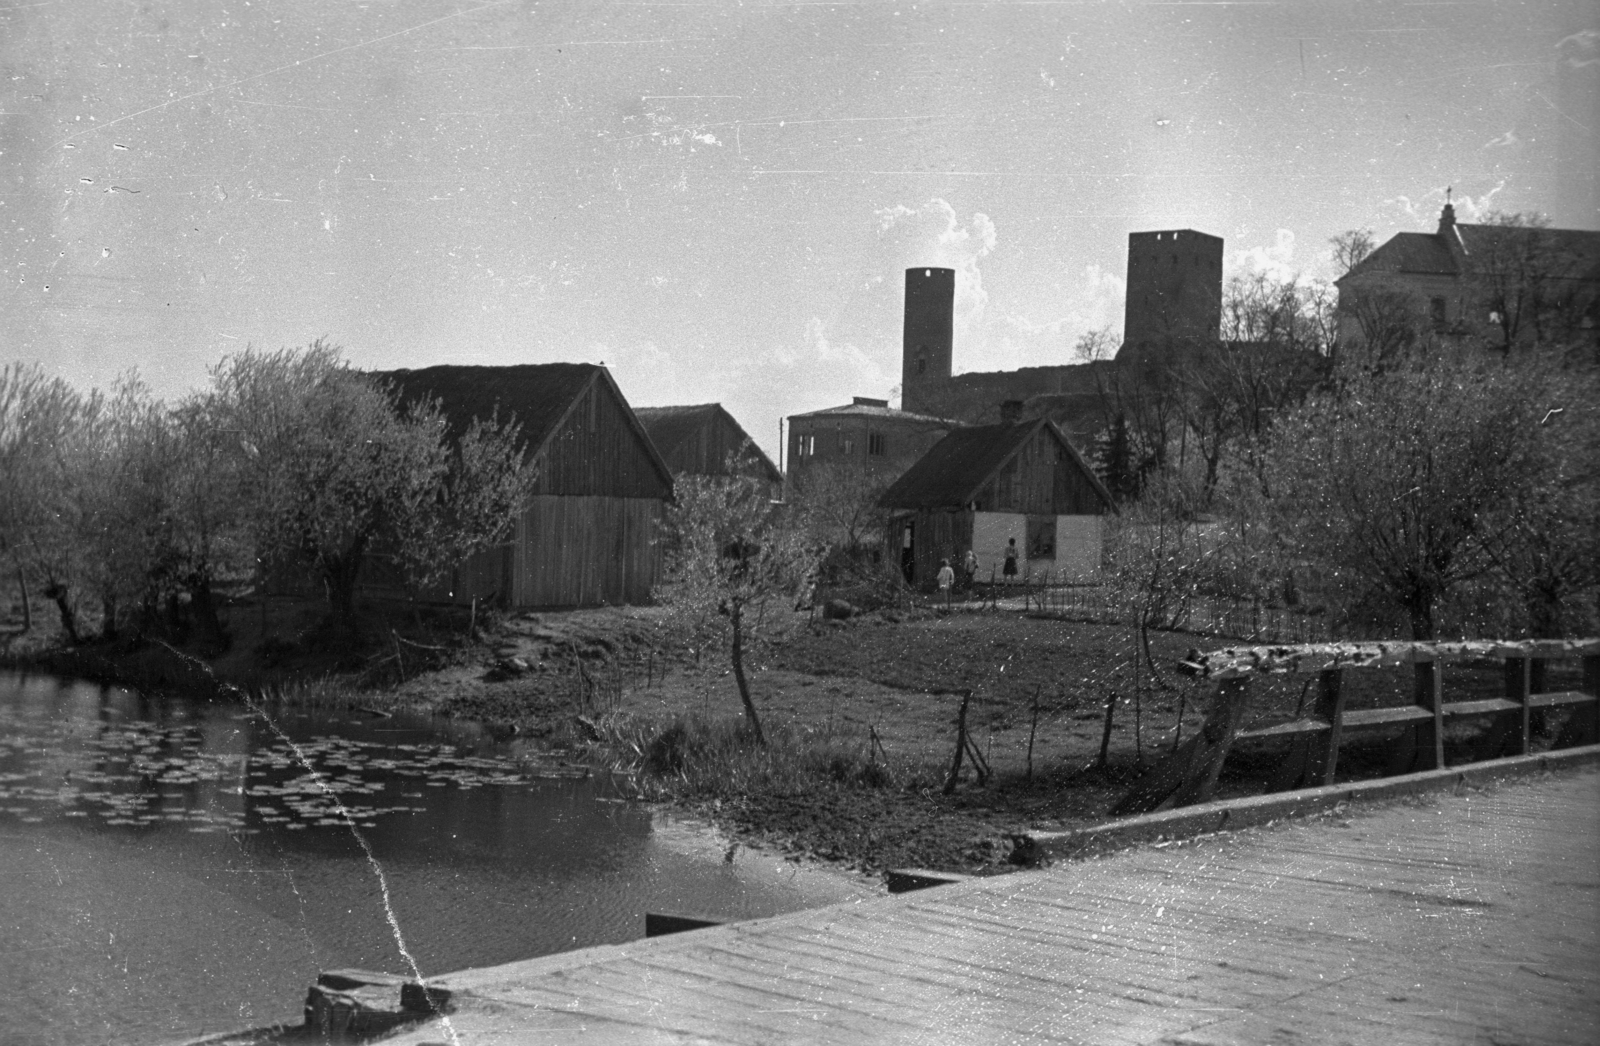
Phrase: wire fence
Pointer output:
(1060, 596)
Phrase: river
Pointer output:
(174, 868)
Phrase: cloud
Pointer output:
(1581, 48)
(1094, 303)
(933, 234)
(1276, 261)
(1473, 208)
(1425, 209)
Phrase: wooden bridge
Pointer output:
(1467, 918)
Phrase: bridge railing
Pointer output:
(1189, 774)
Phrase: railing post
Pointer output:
(1421, 746)
(1583, 726)
(1519, 687)
(1330, 708)
(1435, 702)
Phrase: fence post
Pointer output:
(1330, 707)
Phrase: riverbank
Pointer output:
(860, 713)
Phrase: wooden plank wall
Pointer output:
(586, 551)
(597, 451)
(939, 535)
(1041, 480)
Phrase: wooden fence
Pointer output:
(1189, 775)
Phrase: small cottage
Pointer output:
(699, 439)
(981, 488)
(588, 534)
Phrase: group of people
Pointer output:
(969, 569)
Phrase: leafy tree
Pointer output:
(1385, 483)
(1542, 536)
(474, 505)
(118, 499)
(730, 551)
(334, 471)
(40, 420)
(838, 504)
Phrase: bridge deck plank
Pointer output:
(1463, 918)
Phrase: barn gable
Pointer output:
(698, 439)
(575, 423)
(587, 534)
(1028, 467)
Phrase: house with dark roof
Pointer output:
(587, 535)
(986, 488)
(699, 440)
(1490, 284)
(865, 435)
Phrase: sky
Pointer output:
(717, 200)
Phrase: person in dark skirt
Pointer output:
(1010, 569)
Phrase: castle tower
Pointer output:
(1174, 288)
(927, 335)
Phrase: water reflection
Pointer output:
(173, 868)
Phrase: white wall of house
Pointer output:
(990, 530)
(1078, 545)
(1079, 541)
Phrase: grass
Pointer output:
(695, 758)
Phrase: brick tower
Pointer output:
(927, 335)
(1174, 289)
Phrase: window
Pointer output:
(805, 446)
(1041, 537)
(1436, 311)
(922, 364)
(876, 444)
(847, 445)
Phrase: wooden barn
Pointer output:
(588, 534)
(698, 440)
(981, 488)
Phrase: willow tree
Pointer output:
(334, 471)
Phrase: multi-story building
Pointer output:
(866, 435)
(1487, 284)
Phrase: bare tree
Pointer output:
(1095, 345)
(1524, 280)
(1388, 323)
(1350, 248)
